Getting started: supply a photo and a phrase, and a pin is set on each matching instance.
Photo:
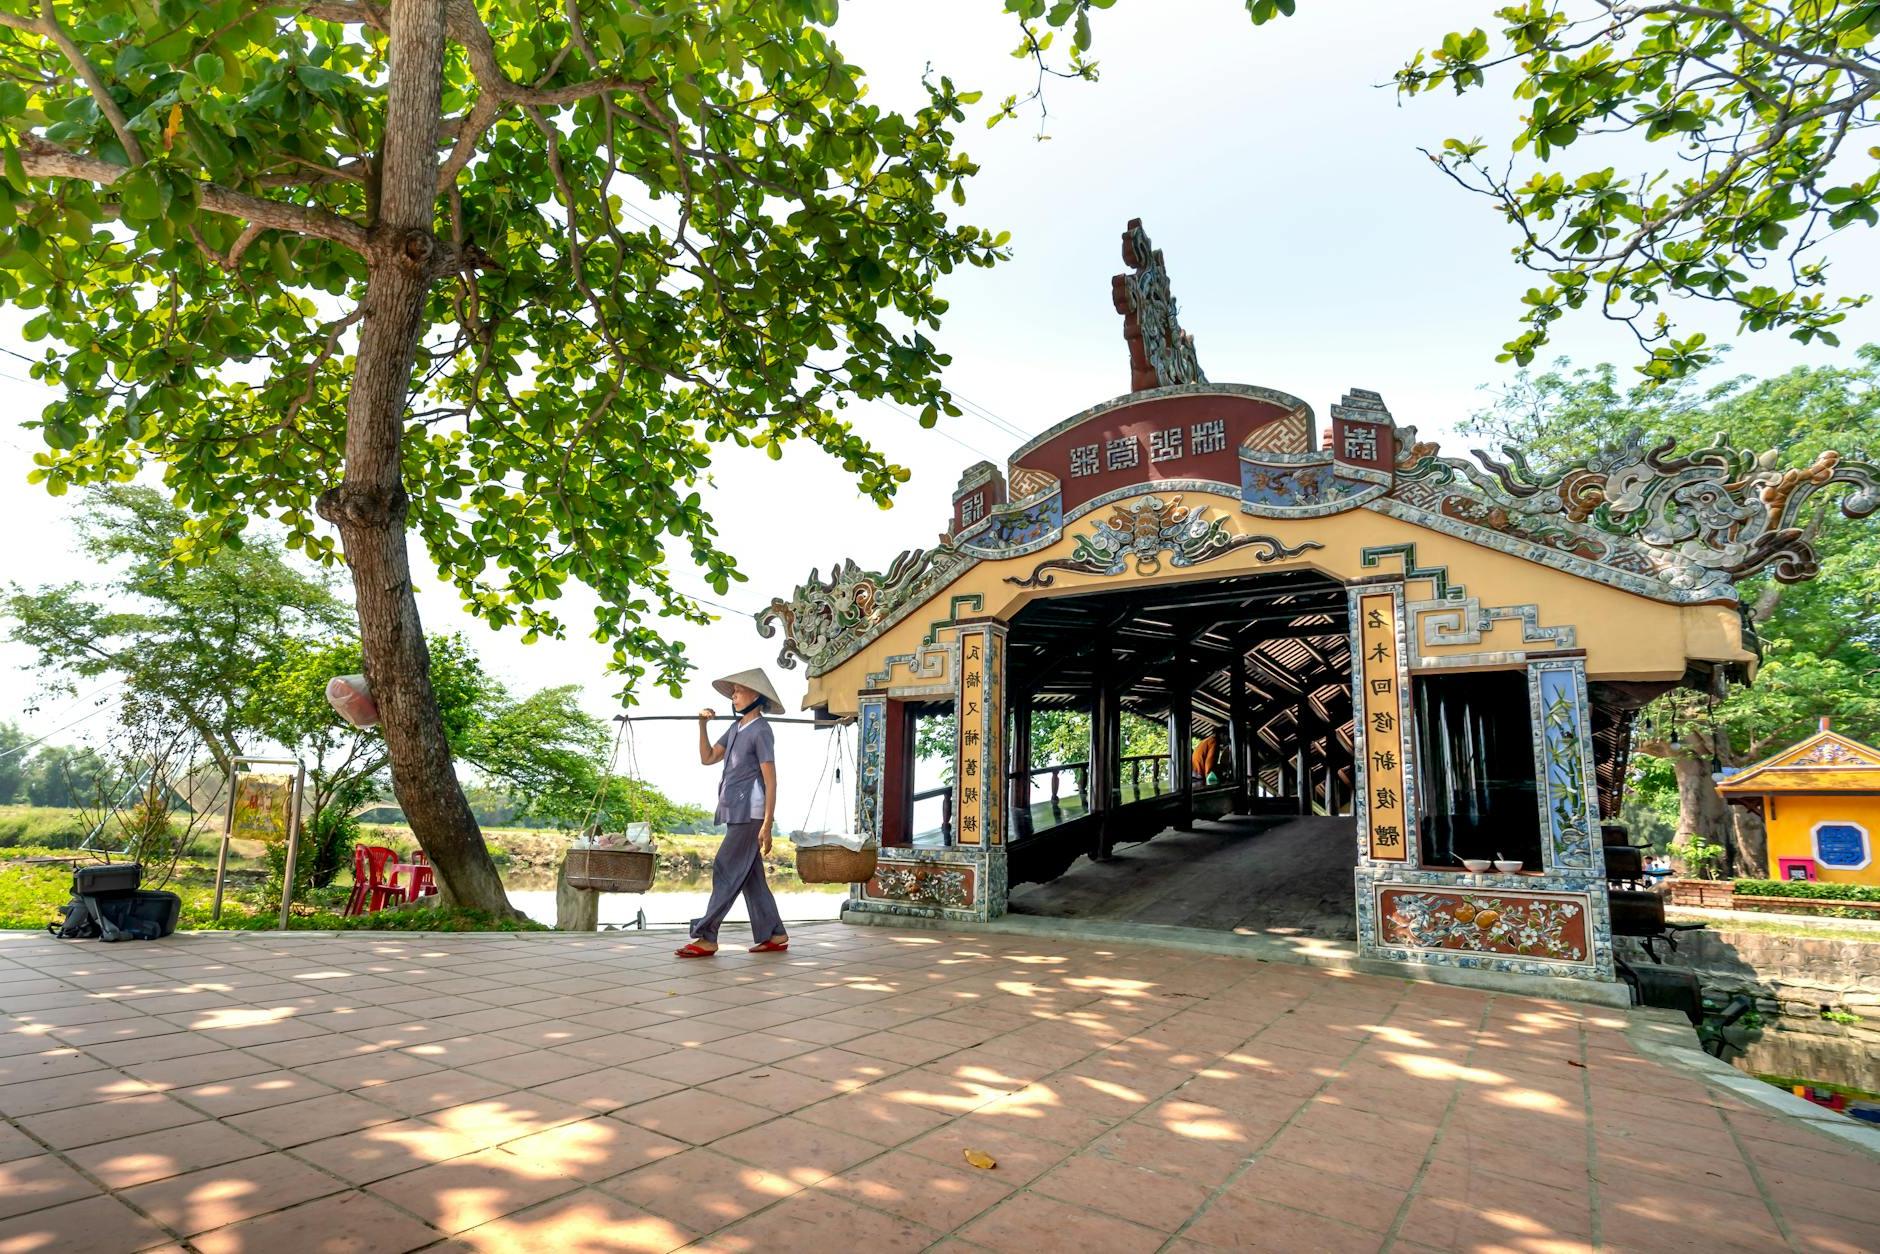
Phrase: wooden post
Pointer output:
(576, 909)
(1181, 746)
(1302, 775)
(1105, 768)
(1021, 766)
(1246, 782)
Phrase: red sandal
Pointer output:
(771, 946)
(692, 949)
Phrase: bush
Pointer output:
(1812, 889)
(325, 850)
(41, 826)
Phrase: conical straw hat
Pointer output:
(757, 682)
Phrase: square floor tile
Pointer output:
(701, 1189)
(472, 1190)
(1100, 1183)
(241, 1094)
(123, 1164)
(313, 1120)
(937, 1195)
(96, 1225)
(126, 1117)
(215, 1196)
(817, 1220)
(595, 1149)
(349, 1223)
(587, 1222)
(28, 1184)
(803, 1151)
(695, 1117)
(389, 1149)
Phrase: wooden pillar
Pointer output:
(1105, 763)
(1246, 777)
(897, 775)
(1021, 765)
(1181, 743)
(1301, 763)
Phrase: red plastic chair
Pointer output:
(371, 889)
(423, 882)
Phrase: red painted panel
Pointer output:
(896, 770)
(1139, 425)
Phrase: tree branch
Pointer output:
(44, 160)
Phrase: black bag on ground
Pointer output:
(107, 905)
(74, 922)
(113, 877)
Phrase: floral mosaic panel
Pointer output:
(872, 752)
(941, 885)
(1548, 928)
(1563, 754)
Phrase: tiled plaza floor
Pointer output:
(573, 1093)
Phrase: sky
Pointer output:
(1312, 248)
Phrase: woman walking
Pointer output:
(747, 803)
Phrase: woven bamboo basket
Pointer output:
(611, 870)
(832, 864)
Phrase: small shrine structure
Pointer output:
(1449, 651)
(1820, 804)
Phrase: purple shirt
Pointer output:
(747, 747)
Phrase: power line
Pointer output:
(99, 708)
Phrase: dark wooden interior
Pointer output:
(1265, 659)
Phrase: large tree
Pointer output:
(1758, 108)
(1820, 639)
(496, 272)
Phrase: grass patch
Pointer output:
(1780, 927)
(41, 827)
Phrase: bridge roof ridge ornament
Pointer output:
(1161, 354)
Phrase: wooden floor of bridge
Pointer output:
(1282, 875)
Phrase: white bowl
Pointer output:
(1478, 865)
(1510, 867)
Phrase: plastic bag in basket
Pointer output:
(854, 842)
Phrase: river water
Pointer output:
(677, 909)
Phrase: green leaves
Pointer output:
(1755, 101)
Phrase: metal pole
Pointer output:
(293, 842)
(228, 830)
(693, 718)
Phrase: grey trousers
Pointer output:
(739, 870)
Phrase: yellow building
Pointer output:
(1821, 802)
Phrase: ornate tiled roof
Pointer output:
(1826, 762)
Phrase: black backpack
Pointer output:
(107, 905)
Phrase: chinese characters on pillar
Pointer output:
(1381, 778)
(978, 769)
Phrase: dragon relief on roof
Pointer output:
(1697, 522)
(824, 620)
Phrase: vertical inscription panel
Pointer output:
(979, 762)
(1384, 819)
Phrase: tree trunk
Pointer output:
(1749, 843)
(576, 909)
(369, 506)
(1700, 805)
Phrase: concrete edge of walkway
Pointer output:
(1312, 951)
(1665, 1036)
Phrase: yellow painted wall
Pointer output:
(1791, 831)
(1625, 636)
